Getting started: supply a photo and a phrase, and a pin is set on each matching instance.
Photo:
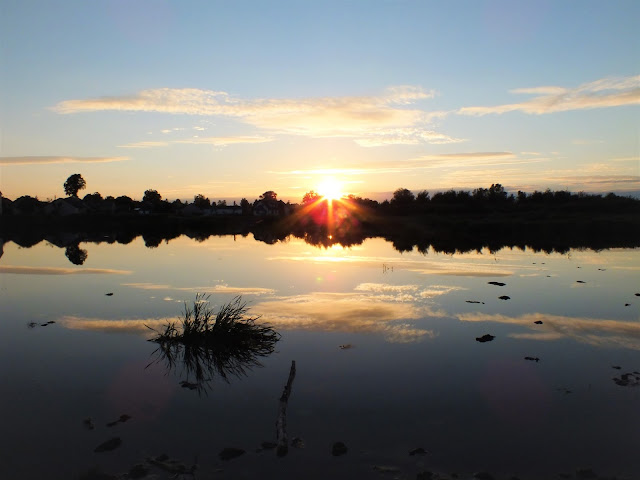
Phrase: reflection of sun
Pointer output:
(331, 189)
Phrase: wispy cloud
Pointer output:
(426, 162)
(369, 120)
(215, 141)
(22, 270)
(603, 93)
(224, 141)
(145, 145)
(39, 160)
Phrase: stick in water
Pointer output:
(281, 422)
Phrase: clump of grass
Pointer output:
(206, 343)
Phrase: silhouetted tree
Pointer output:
(75, 254)
(222, 203)
(73, 184)
(402, 198)
(310, 197)
(151, 196)
(269, 196)
(201, 201)
(246, 206)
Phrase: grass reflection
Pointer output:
(206, 344)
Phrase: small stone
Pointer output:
(418, 451)
(109, 294)
(338, 449)
(386, 469)
(346, 346)
(504, 297)
(580, 281)
(485, 338)
(585, 473)
(109, 445)
(533, 359)
(426, 475)
(88, 423)
(297, 442)
(538, 322)
(499, 284)
(617, 367)
(138, 471)
(124, 418)
(483, 476)
(230, 452)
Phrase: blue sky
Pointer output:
(230, 99)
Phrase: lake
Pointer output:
(387, 351)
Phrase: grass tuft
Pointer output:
(206, 343)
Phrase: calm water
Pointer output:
(414, 377)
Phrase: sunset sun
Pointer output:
(331, 189)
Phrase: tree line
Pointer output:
(403, 202)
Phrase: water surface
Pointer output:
(414, 375)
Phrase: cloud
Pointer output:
(215, 141)
(20, 270)
(39, 160)
(425, 162)
(593, 331)
(603, 93)
(224, 141)
(369, 120)
(144, 145)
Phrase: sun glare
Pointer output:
(330, 189)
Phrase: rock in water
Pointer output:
(485, 338)
(109, 445)
(230, 452)
(338, 449)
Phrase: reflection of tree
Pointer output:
(226, 344)
(75, 254)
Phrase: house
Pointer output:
(227, 210)
(64, 207)
(262, 208)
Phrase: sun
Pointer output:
(331, 189)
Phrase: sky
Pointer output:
(230, 99)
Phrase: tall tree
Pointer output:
(151, 196)
(73, 184)
(310, 197)
(269, 196)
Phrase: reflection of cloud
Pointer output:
(138, 326)
(597, 332)
(438, 290)
(425, 267)
(208, 289)
(370, 120)
(606, 92)
(348, 313)
(39, 160)
(60, 271)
